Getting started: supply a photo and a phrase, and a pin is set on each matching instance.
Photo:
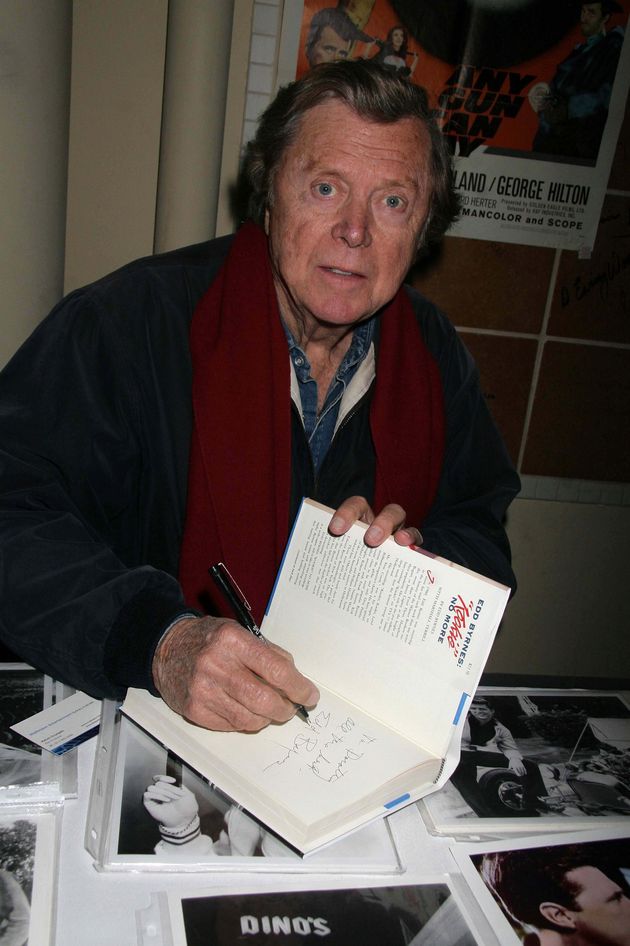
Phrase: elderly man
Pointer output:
(133, 453)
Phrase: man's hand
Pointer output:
(539, 96)
(219, 676)
(390, 521)
(517, 766)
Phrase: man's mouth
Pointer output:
(341, 272)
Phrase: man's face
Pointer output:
(481, 711)
(603, 918)
(350, 198)
(592, 20)
(329, 47)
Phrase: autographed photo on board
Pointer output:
(529, 94)
(28, 871)
(426, 914)
(537, 760)
(574, 890)
(150, 811)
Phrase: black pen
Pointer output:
(242, 610)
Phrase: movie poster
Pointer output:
(530, 95)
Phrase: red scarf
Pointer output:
(240, 461)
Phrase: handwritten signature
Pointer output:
(326, 750)
(582, 286)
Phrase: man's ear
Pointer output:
(557, 914)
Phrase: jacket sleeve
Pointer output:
(478, 480)
(71, 473)
(506, 743)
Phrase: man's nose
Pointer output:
(353, 225)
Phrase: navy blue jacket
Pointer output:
(95, 422)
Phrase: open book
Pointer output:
(396, 641)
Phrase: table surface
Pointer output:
(100, 907)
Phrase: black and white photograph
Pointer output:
(166, 809)
(569, 892)
(27, 877)
(553, 760)
(159, 814)
(424, 914)
(23, 692)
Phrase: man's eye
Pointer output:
(324, 189)
(394, 202)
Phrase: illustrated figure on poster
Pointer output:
(569, 895)
(488, 744)
(330, 36)
(572, 109)
(176, 810)
(15, 911)
(394, 54)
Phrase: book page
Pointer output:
(402, 634)
(308, 770)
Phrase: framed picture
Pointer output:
(427, 913)
(150, 811)
(28, 873)
(24, 692)
(537, 760)
(553, 890)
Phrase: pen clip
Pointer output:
(232, 581)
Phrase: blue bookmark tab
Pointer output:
(397, 801)
(462, 703)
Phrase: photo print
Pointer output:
(555, 893)
(554, 760)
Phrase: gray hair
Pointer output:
(374, 93)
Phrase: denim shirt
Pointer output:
(320, 429)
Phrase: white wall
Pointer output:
(118, 56)
(35, 38)
(571, 614)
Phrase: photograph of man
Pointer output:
(573, 107)
(330, 36)
(569, 895)
(489, 744)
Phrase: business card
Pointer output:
(63, 726)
